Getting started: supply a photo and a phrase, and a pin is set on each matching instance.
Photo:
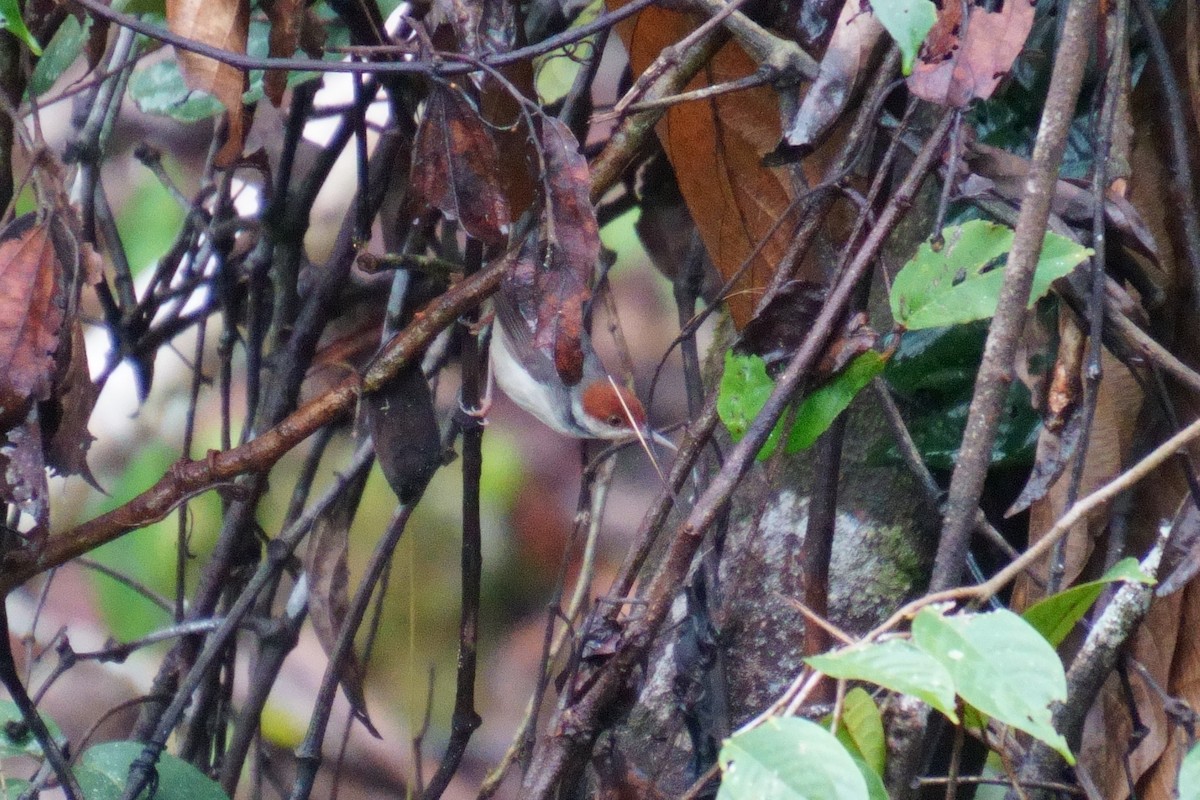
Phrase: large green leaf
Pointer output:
(897, 665)
(105, 768)
(1000, 665)
(908, 22)
(960, 282)
(1054, 617)
(787, 758)
(824, 405)
(15, 737)
(861, 729)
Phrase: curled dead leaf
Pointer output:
(572, 240)
(328, 578)
(842, 67)
(31, 317)
(456, 167)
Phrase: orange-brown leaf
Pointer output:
(716, 149)
(224, 24)
(31, 316)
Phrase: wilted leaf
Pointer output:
(328, 576)
(842, 67)
(287, 17)
(1181, 556)
(897, 665)
(23, 483)
(1054, 451)
(572, 237)
(1000, 665)
(224, 24)
(31, 317)
(404, 429)
(65, 416)
(953, 71)
(961, 282)
(908, 22)
(456, 166)
(778, 330)
(787, 758)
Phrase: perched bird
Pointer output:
(596, 407)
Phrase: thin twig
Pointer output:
(996, 369)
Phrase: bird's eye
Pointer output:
(616, 420)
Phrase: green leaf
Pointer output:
(822, 406)
(1055, 616)
(15, 737)
(745, 387)
(1189, 775)
(1000, 665)
(908, 22)
(897, 665)
(10, 17)
(59, 55)
(787, 758)
(106, 767)
(961, 281)
(861, 729)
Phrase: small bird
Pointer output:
(594, 408)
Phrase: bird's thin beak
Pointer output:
(656, 437)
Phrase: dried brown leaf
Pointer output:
(572, 237)
(328, 579)
(456, 167)
(842, 67)
(404, 427)
(952, 70)
(65, 416)
(31, 317)
(23, 474)
(286, 17)
(224, 24)
(716, 148)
